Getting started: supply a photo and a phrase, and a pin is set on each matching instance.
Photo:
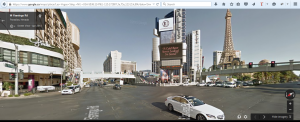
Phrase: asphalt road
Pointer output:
(143, 102)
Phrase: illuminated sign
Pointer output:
(170, 51)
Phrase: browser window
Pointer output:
(158, 51)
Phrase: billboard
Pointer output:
(167, 37)
(163, 75)
(166, 24)
(170, 51)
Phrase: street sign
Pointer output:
(9, 65)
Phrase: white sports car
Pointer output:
(198, 109)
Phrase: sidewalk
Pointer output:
(36, 94)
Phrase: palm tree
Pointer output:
(258, 75)
(203, 70)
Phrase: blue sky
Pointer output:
(272, 34)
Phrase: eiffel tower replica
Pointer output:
(228, 53)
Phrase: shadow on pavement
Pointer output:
(164, 108)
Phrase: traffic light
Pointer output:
(225, 66)
(272, 63)
(12, 76)
(250, 64)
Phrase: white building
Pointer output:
(216, 57)
(238, 53)
(193, 54)
(112, 62)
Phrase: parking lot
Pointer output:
(146, 102)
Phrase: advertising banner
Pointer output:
(166, 24)
(30, 82)
(164, 75)
(170, 51)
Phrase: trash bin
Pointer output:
(33, 90)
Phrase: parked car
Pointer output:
(298, 83)
(200, 84)
(117, 86)
(230, 85)
(104, 83)
(68, 90)
(219, 84)
(245, 84)
(45, 88)
(185, 84)
(250, 83)
(87, 85)
(238, 83)
(210, 84)
(198, 109)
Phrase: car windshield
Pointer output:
(66, 88)
(194, 101)
(116, 84)
(70, 87)
(229, 83)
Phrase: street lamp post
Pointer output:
(16, 61)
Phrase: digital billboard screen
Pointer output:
(170, 51)
(167, 37)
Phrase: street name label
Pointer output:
(9, 65)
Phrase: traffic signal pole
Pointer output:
(16, 65)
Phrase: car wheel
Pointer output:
(170, 107)
(200, 117)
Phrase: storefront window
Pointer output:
(9, 55)
(34, 58)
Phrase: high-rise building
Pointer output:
(129, 66)
(194, 57)
(216, 57)
(155, 55)
(113, 62)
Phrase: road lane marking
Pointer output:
(93, 113)
(108, 100)
(113, 108)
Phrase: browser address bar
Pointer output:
(191, 4)
(83, 4)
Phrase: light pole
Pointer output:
(16, 61)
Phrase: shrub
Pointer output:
(69, 83)
(27, 94)
(10, 95)
(17, 95)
